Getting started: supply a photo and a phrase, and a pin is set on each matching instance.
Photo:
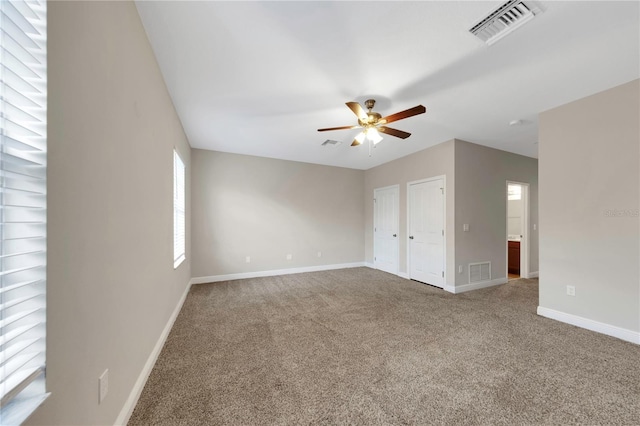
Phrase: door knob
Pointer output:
(411, 237)
(394, 235)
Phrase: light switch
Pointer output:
(465, 227)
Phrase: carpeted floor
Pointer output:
(359, 346)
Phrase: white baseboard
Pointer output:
(404, 275)
(132, 400)
(369, 265)
(535, 274)
(589, 324)
(273, 272)
(474, 286)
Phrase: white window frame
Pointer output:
(23, 212)
(179, 210)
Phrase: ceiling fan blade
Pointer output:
(355, 142)
(394, 132)
(403, 114)
(357, 110)
(338, 128)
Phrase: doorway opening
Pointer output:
(517, 230)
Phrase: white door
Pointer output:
(426, 232)
(385, 228)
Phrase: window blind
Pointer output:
(23, 113)
(178, 210)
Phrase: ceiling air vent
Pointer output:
(505, 19)
(330, 142)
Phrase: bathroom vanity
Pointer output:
(514, 256)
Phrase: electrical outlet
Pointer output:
(248, 259)
(465, 227)
(535, 226)
(319, 254)
(459, 269)
(289, 256)
(103, 385)
(571, 290)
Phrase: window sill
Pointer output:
(16, 412)
(178, 261)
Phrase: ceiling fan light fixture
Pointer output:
(360, 137)
(373, 135)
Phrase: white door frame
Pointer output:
(444, 222)
(397, 260)
(524, 248)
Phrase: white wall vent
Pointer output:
(480, 271)
(505, 19)
(331, 142)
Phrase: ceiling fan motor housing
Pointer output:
(371, 120)
(372, 117)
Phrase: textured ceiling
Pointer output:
(260, 78)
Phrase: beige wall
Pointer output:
(265, 208)
(435, 161)
(481, 201)
(111, 283)
(589, 169)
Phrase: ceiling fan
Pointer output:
(372, 122)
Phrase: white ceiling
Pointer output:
(260, 78)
